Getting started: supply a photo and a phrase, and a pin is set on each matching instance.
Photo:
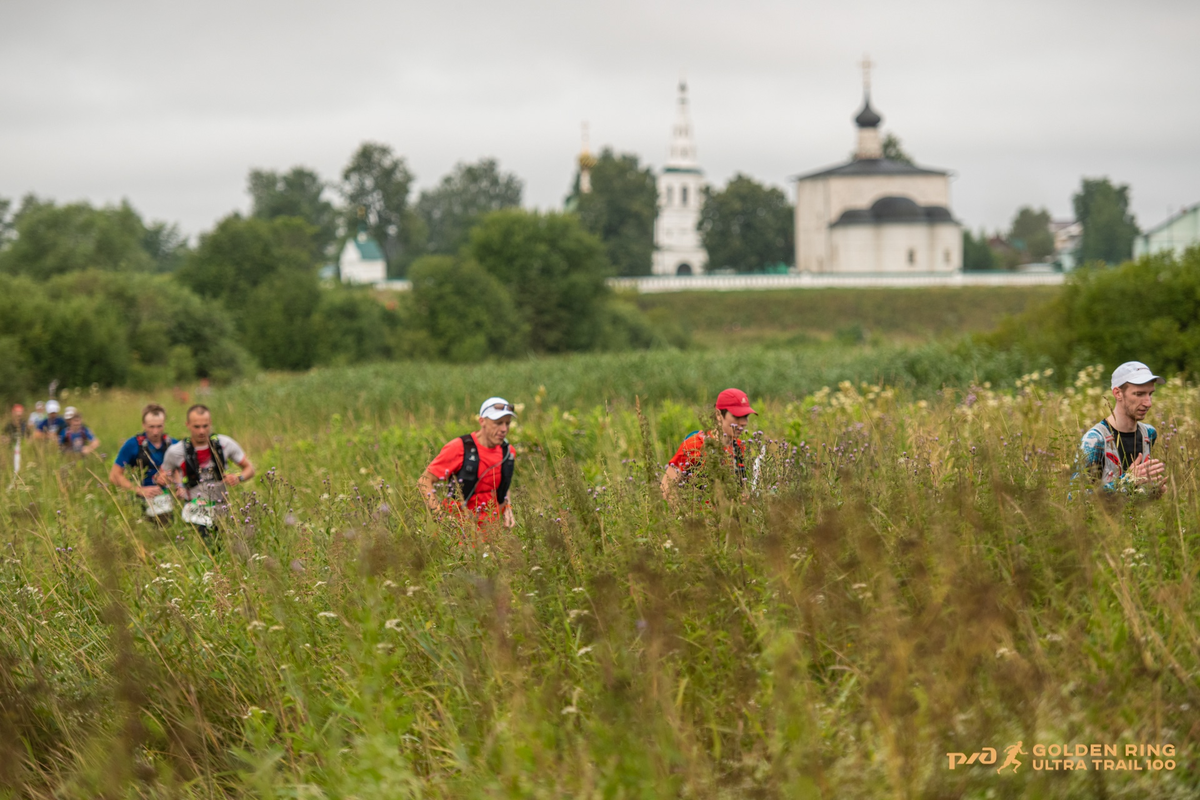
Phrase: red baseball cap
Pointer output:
(735, 402)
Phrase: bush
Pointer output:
(464, 313)
(1144, 310)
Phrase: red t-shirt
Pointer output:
(450, 460)
(691, 453)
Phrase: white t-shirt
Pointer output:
(210, 487)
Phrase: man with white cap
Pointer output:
(1117, 449)
(734, 408)
(477, 468)
(53, 425)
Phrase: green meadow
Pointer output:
(912, 574)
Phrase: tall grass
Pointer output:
(914, 575)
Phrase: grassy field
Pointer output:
(723, 319)
(913, 575)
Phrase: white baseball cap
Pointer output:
(70, 413)
(1134, 372)
(52, 407)
(497, 408)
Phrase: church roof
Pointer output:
(894, 209)
(368, 248)
(870, 166)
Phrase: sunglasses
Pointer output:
(503, 407)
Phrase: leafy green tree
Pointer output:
(375, 186)
(1031, 234)
(747, 226)
(894, 151)
(977, 254)
(295, 193)
(452, 208)
(54, 240)
(620, 209)
(464, 312)
(1108, 227)
(352, 326)
(554, 271)
(264, 272)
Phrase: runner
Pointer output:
(1116, 451)
(476, 466)
(16, 430)
(197, 467)
(53, 425)
(39, 414)
(734, 406)
(77, 438)
(144, 453)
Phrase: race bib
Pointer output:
(159, 504)
(198, 512)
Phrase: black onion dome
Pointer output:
(867, 118)
(896, 208)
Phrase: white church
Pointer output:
(677, 246)
(875, 215)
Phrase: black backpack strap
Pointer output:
(191, 465)
(218, 453)
(468, 474)
(507, 465)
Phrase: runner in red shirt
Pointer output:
(477, 466)
(735, 410)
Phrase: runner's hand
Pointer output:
(1146, 470)
(233, 480)
(148, 491)
(510, 521)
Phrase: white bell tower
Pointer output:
(677, 247)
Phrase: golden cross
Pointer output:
(866, 68)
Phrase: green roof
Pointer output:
(368, 248)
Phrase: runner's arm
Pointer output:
(116, 476)
(428, 492)
(246, 474)
(91, 446)
(670, 480)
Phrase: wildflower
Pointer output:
(535, 569)
(290, 519)
(274, 628)
(297, 565)
(384, 647)
(1004, 652)
(570, 710)
(251, 711)
(328, 615)
(389, 584)
(319, 584)
(575, 612)
(583, 651)
(668, 544)
(392, 624)
(256, 626)
(411, 590)
(577, 589)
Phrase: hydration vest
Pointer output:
(739, 457)
(143, 458)
(467, 477)
(191, 463)
(1112, 458)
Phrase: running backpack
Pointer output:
(191, 464)
(468, 475)
(739, 456)
(143, 459)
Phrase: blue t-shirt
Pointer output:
(76, 440)
(129, 452)
(54, 427)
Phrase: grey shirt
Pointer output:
(210, 487)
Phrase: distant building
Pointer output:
(872, 214)
(1175, 235)
(1067, 233)
(677, 246)
(362, 261)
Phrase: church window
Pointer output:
(683, 196)
(947, 256)
(670, 195)
(912, 256)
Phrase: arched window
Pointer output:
(684, 269)
(683, 196)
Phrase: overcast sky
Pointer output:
(170, 104)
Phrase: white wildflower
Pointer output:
(328, 615)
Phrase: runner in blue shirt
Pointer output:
(76, 437)
(53, 425)
(145, 452)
